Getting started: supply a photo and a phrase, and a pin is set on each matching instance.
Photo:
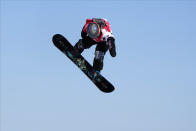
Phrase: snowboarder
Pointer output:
(96, 31)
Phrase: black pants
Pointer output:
(100, 50)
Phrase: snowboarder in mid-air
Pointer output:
(96, 31)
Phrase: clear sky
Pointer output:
(154, 72)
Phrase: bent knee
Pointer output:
(99, 55)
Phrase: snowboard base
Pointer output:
(64, 46)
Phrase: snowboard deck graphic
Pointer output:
(64, 46)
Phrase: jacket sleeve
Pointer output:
(83, 33)
(112, 46)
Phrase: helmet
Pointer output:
(93, 30)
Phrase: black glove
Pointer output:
(112, 47)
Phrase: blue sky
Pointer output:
(154, 72)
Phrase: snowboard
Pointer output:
(64, 46)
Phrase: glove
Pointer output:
(112, 47)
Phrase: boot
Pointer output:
(98, 65)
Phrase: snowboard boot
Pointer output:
(98, 66)
(96, 73)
